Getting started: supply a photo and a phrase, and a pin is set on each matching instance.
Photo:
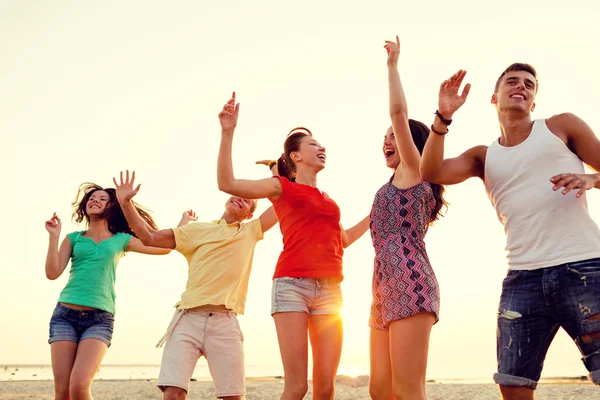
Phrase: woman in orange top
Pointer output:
(306, 294)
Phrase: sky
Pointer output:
(88, 89)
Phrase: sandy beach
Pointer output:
(270, 389)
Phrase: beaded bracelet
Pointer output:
(444, 120)
(437, 132)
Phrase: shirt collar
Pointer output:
(223, 222)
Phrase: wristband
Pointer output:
(445, 121)
(272, 163)
(437, 132)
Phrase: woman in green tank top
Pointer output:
(82, 322)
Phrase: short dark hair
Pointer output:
(517, 67)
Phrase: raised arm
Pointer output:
(247, 189)
(149, 237)
(585, 144)
(409, 154)
(268, 219)
(272, 164)
(454, 170)
(56, 260)
(351, 235)
(187, 217)
(137, 246)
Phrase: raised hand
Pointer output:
(449, 99)
(187, 217)
(125, 190)
(228, 117)
(272, 164)
(569, 182)
(53, 225)
(393, 51)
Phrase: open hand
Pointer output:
(393, 50)
(449, 99)
(228, 117)
(569, 182)
(187, 217)
(125, 190)
(53, 225)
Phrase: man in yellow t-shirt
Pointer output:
(205, 323)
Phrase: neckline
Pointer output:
(223, 222)
(93, 241)
(322, 193)
(407, 188)
(535, 121)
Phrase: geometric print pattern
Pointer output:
(404, 283)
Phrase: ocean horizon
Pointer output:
(40, 372)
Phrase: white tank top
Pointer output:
(543, 228)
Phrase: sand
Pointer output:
(270, 389)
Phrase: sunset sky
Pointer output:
(88, 89)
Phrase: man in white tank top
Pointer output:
(535, 179)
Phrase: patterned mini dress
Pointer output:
(404, 283)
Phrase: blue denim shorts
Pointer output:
(75, 325)
(314, 296)
(534, 305)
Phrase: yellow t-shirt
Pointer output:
(220, 259)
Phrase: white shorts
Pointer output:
(215, 335)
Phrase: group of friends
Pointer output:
(533, 174)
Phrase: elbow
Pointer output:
(147, 238)
(398, 112)
(51, 276)
(224, 185)
(346, 242)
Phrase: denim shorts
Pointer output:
(314, 296)
(534, 305)
(75, 325)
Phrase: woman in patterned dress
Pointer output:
(405, 291)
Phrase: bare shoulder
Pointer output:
(565, 124)
(477, 154)
(559, 120)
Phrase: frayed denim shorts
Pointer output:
(76, 325)
(314, 296)
(534, 305)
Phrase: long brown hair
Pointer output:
(420, 133)
(285, 164)
(113, 213)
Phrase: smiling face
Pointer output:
(390, 150)
(97, 204)
(310, 154)
(240, 209)
(516, 89)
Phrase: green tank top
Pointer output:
(93, 271)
